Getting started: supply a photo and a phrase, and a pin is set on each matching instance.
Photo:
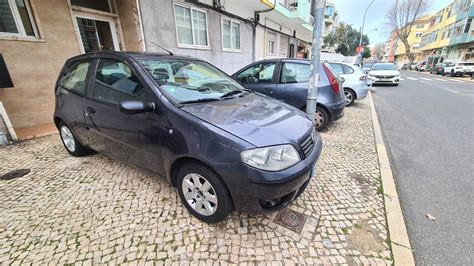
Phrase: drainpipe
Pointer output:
(140, 22)
(256, 19)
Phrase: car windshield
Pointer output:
(187, 81)
(383, 67)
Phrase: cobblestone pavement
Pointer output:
(94, 210)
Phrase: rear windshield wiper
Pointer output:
(200, 100)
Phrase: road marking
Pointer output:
(402, 79)
(440, 79)
(425, 79)
(411, 78)
(458, 80)
(450, 90)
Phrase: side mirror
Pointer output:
(136, 107)
(343, 80)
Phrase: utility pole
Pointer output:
(318, 14)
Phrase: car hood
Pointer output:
(257, 119)
(384, 72)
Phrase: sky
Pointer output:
(352, 12)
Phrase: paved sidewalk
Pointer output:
(95, 210)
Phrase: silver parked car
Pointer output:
(356, 84)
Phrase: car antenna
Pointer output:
(169, 52)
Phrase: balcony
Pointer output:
(291, 5)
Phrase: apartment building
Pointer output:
(447, 35)
(37, 36)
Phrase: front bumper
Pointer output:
(394, 80)
(251, 194)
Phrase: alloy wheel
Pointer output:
(68, 138)
(348, 97)
(318, 118)
(200, 195)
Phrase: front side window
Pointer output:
(191, 26)
(16, 18)
(230, 35)
(189, 80)
(75, 79)
(116, 82)
(258, 73)
(294, 73)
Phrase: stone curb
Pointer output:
(399, 241)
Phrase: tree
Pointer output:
(367, 52)
(402, 15)
(345, 39)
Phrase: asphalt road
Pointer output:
(428, 125)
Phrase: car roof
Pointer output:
(287, 60)
(134, 55)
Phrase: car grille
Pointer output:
(384, 77)
(307, 145)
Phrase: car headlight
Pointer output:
(274, 158)
(371, 75)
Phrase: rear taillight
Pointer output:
(363, 78)
(332, 79)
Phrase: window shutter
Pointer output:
(7, 22)
(183, 25)
(236, 35)
(200, 28)
(226, 33)
(283, 45)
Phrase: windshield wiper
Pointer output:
(200, 100)
(230, 93)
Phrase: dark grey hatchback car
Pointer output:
(222, 146)
(287, 80)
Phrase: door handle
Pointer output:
(268, 89)
(90, 110)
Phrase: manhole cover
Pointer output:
(14, 174)
(290, 219)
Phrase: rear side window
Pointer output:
(258, 73)
(75, 78)
(337, 67)
(348, 69)
(116, 82)
(294, 73)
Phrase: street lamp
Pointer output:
(363, 22)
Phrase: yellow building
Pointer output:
(445, 36)
(414, 39)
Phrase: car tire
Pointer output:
(70, 142)
(321, 118)
(451, 74)
(350, 96)
(210, 206)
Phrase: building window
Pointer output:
(419, 26)
(101, 5)
(191, 27)
(271, 43)
(468, 25)
(230, 35)
(418, 34)
(16, 18)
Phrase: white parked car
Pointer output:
(355, 83)
(386, 73)
(459, 69)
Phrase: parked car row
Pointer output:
(240, 142)
(458, 69)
